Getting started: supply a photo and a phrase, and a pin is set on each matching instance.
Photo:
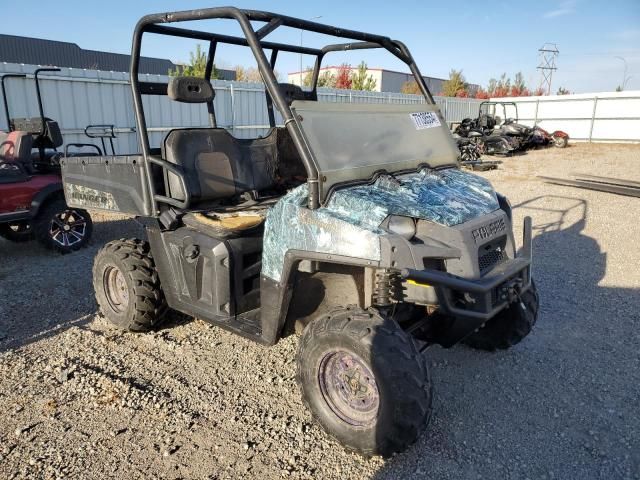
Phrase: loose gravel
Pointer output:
(79, 399)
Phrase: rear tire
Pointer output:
(16, 232)
(63, 229)
(364, 380)
(510, 326)
(560, 142)
(127, 286)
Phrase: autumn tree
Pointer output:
(482, 94)
(456, 85)
(410, 87)
(343, 77)
(519, 88)
(361, 80)
(196, 66)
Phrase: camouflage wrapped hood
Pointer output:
(350, 223)
(448, 197)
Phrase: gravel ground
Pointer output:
(78, 399)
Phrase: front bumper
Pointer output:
(473, 302)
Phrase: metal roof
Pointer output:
(38, 51)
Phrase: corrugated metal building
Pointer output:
(38, 51)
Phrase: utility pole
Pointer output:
(625, 78)
(547, 55)
(301, 32)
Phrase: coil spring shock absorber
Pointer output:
(388, 287)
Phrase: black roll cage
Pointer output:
(38, 94)
(504, 108)
(253, 39)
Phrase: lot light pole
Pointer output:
(301, 33)
(625, 79)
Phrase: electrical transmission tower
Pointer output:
(547, 55)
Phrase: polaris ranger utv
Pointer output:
(352, 222)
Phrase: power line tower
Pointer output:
(547, 55)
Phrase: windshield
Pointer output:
(353, 141)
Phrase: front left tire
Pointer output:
(364, 381)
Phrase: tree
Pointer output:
(410, 87)
(250, 74)
(456, 85)
(196, 66)
(360, 80)
(619, 88)
(502, 87)
(241, 73)
(325, 79)
(343, 78)
(519, 88)
(482, 94)
(563, 91)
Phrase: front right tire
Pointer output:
(364, 381)
(127, 286)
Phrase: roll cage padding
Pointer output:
(190, 90)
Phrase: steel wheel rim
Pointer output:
(349, 388)
(115, 286)
(68, 228)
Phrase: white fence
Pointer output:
(77, 98)
(608, 116)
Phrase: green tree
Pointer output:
(619, 88)
(563, 91)
(325, 79)
(196, 66)
(361, 81)
(456, 86)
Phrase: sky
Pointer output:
(483, 39)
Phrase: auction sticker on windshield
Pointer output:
(424, 120)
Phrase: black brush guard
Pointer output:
(473, 302)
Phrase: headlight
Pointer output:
(403, 226)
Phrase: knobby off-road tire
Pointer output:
(364, 381)
(16, 232)
(127, 286)
(63, 229)
(510, 326)
(560, 142)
